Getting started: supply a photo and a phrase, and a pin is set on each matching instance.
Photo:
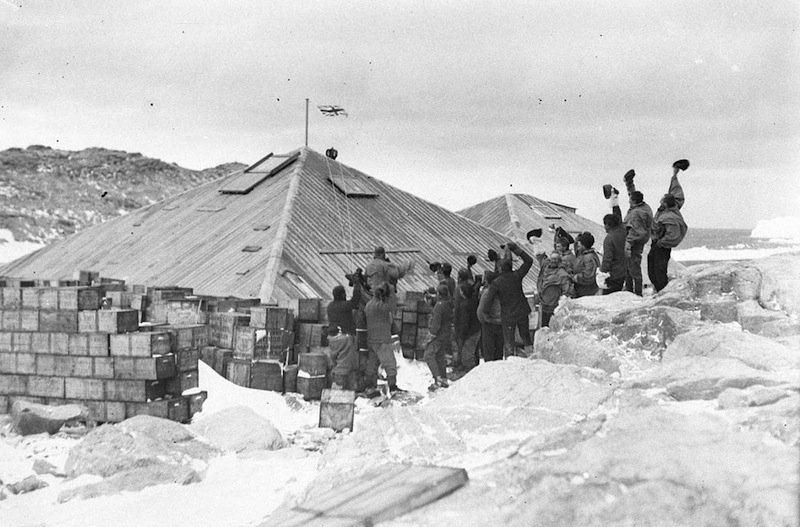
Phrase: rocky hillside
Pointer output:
(46, 194)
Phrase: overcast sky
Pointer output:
(457, 101)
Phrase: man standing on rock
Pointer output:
(514, 307)
(613, 254)
(379, 313)
(637, 222)
(668, 229)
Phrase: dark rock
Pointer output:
(752, 396)
(32, 418)
(652, 328)
(41, 466)
(239, 429)
(28, 484)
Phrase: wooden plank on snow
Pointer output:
(381, 494)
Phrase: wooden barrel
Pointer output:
(310, 387)
(361, 339)
(313, 363)
(267, 375)
(290, 378)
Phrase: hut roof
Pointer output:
(289, 226)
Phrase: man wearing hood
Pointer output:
(380, 270)
(342, 334)
(614, 254)
(553, 283)
(668, 229)
(586, 265)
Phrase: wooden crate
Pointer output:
(145, 368)
(40, 342)
(408, 335)
(140, 344)
(30, 298)
(11, 298)
(185, 380)
(158, 408)
(244, 343)
(117, 320)
(88, 277)
(185, 336)
(411, 300)
(87, 321)
(25, 363)
(59, 343)
(5, 341)
(21, 342)
(186, 311)
(217, 358)
(103, 367)
(11, 320)
(79, 298)
(409, 317)
(423, 319)
(134, 390)
(48, 298)
(65, 321)
(424, 307)
(266, 375)
(336, 409)
(308, 309)
(271, 318)
(239, 372)
(222, 328)
(8, 363)
(187, 359)
(90, 389)
(196, 401)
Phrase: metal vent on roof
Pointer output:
(552, 216)
(210, 209)
(353, 186)
(261, 227)
(257, 173)
(251, 248)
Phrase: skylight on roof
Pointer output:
(353, 187)
(255, 174)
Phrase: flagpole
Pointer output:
(306, 121)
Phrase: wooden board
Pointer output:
(383, 493)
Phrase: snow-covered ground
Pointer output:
(236, 490)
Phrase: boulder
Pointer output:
(239, 429)
(719, 308)
(594, 313)
(133, 480)
(752, 396)
(652, 328)
(699, 377)
(752, 317)
(575, 347)
(653, 466)
(780, 419)
(780, 285)
(32, 418)
(41, 466)
(723, 341)
(137, 442)
(29, 484)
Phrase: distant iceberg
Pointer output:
(786, 228)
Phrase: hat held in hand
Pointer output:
(681, 164)
(533, 233)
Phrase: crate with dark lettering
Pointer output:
(186, 311)
(140, 344)
(239, 372)
(266, 375)
(336, 409)
(181, 382)
(145, 368)
(222, 328)
(134, 390)
(79, 298)
(244, 343)
(117, 320)
(185, 336)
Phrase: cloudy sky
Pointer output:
(455, 101)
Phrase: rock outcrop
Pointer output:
(678, 409)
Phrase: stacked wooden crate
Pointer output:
(411, 319)
(58, 344)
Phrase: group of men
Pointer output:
(626, 237)
(484, 313)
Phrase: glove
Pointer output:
(511, 246)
